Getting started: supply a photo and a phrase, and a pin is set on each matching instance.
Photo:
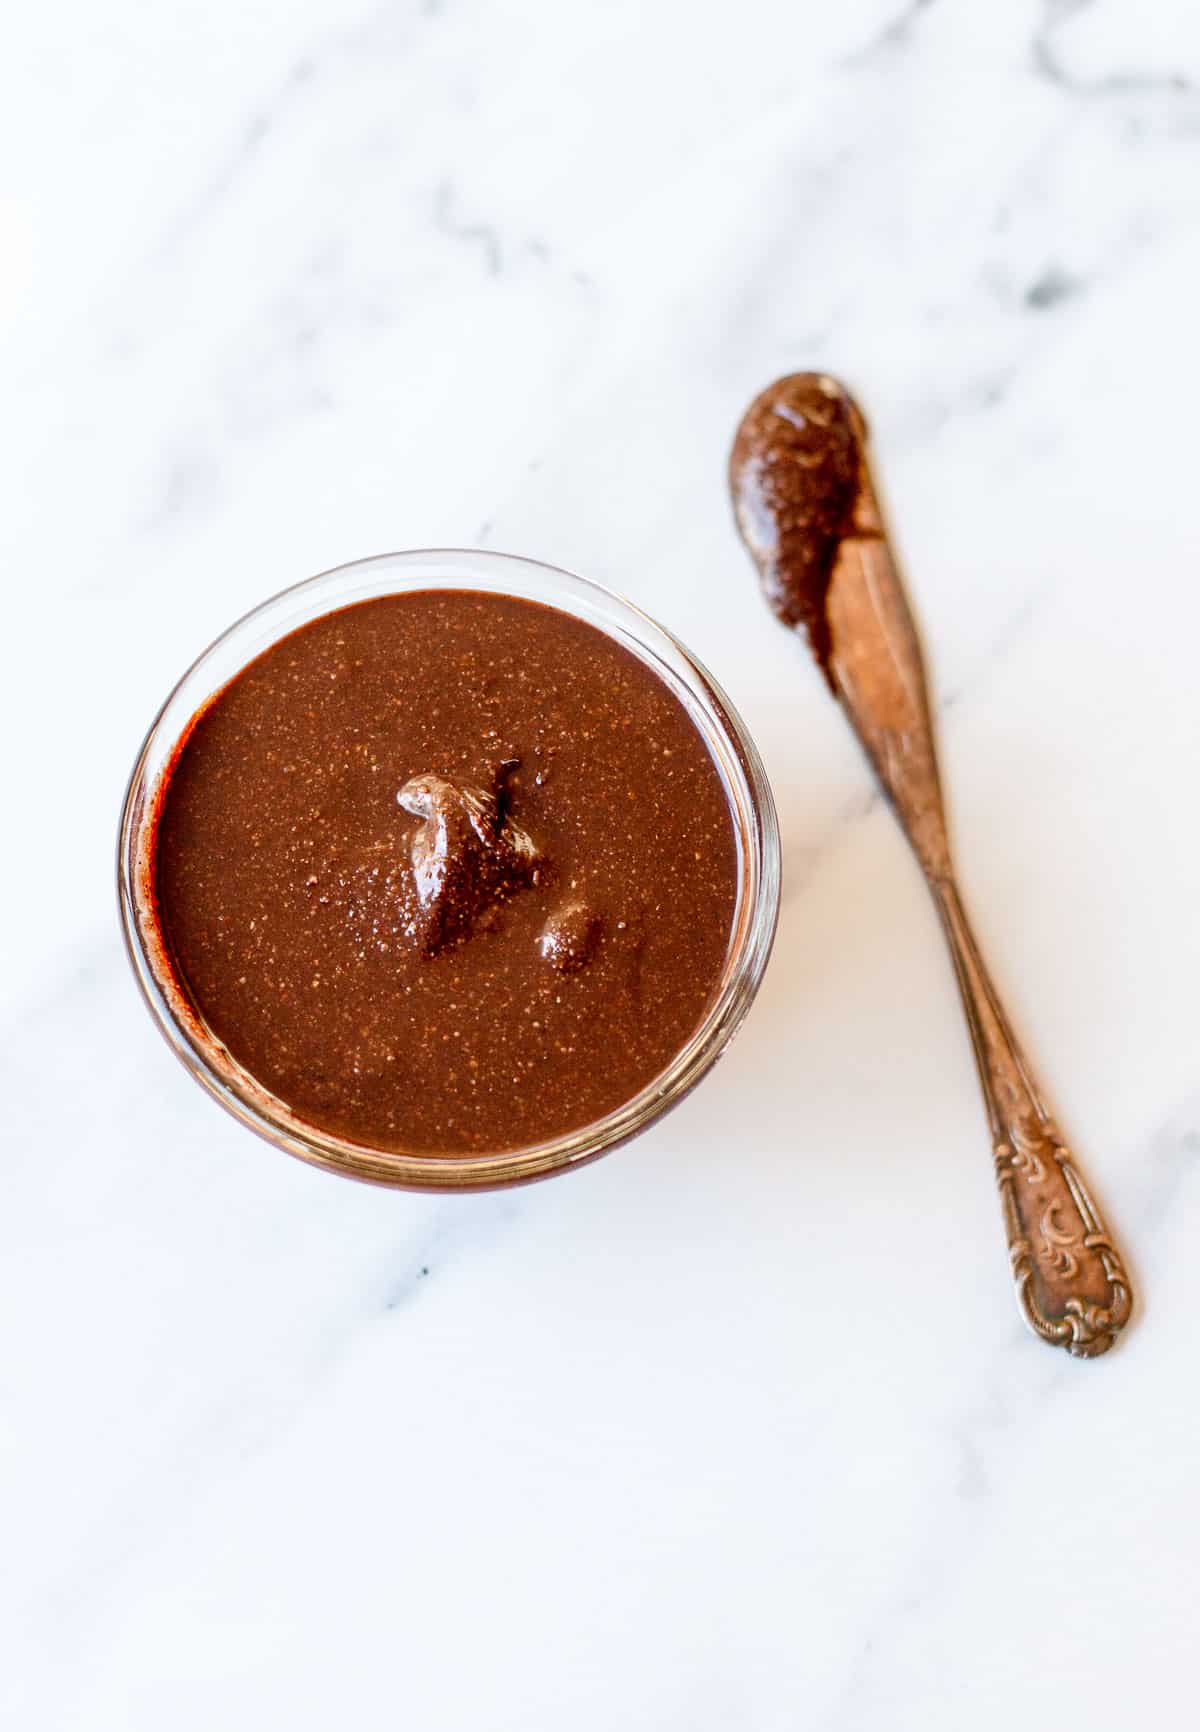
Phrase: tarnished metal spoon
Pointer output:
(809, 515)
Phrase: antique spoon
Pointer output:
(810, 518)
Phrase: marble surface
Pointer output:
(739, 1427)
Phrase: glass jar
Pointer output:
(733, 752)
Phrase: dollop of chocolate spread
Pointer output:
(467, 854)
(794, 473)
(446, 871)
(570, 936)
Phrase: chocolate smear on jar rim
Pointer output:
(797, 474)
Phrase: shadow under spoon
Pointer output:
(810, 518)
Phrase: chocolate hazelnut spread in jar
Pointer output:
(448, 870)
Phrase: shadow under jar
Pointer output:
(448, 870)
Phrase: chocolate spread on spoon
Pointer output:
(794, 474)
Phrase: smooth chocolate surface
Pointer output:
(447, 872)
(794, 475)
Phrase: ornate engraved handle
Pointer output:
(1071, 1284)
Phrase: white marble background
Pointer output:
(737, 1429)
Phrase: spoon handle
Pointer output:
(1070, 1282)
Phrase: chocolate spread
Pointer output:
(446, 872)
(794, 474)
